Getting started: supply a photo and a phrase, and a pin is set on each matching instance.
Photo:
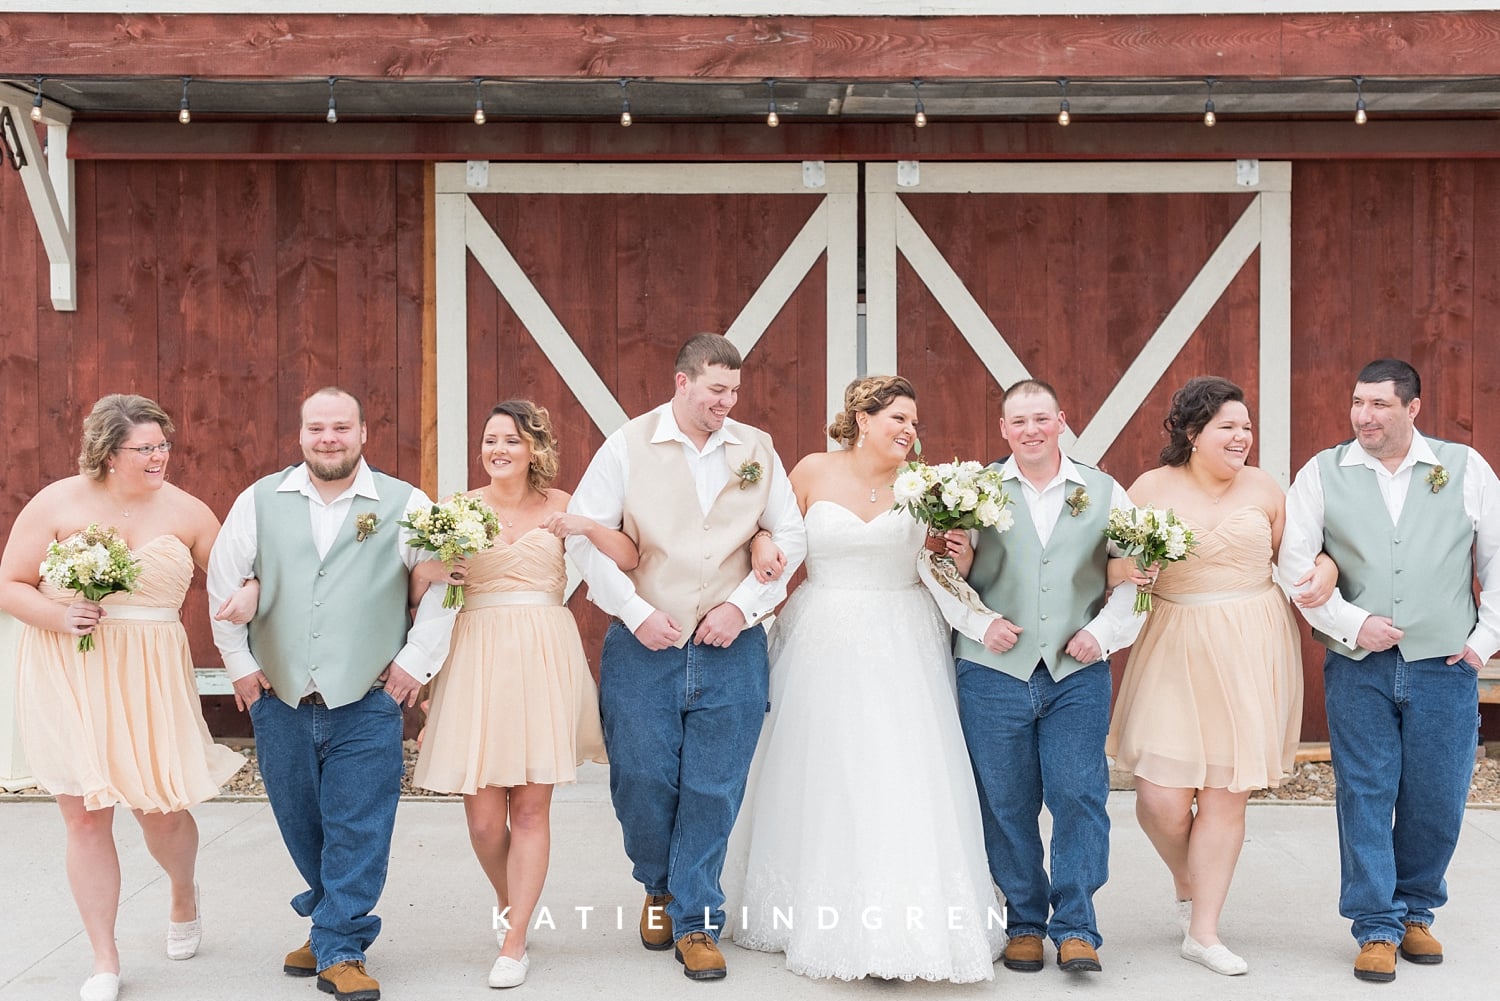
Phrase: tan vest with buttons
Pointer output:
(690, 561)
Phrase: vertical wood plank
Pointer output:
(307, 327)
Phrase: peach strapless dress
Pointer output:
(1212, 694)
(515, 702)
(122, 724)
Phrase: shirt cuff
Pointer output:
(240, 664)
(413, 663)
(638, 610)
(1483, 643)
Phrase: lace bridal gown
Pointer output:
(859, 849)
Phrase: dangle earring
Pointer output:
(858, 444)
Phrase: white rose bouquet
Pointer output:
(951, 495)
(1150, 536)
(94, 562)
(457, 528)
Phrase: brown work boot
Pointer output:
(656, 927)
(300, 962)
(1023, 953)
(348, 981)
(1376, 961)
(1418, 945)
(700, 957)
(1077, 956)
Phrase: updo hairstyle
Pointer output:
(1193, 406)
(110, 423)
(534, 425)
(868, 395)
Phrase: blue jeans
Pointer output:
(334, 778)
(1402, 735)
(680, 727)
(1034, 742)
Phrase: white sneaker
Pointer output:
(100, 987)
(509, 972)
(1216, 957)
(183, 937)
(1185, 914)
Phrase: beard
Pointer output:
(331, 471)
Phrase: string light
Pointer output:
(772, 118)
(1359, 102)
(36, 103)
(1064, 112)
(333, 110)
(920, 120)
(479, 118)
(1209, 118)
(626, 120)
(184, 114)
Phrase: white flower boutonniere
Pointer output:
(365, 526)
(1078, 502)
(749, 474)
(1437, 479)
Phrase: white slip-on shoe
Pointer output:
(509, 972)
(100, 987)
(183, 937)
(1216, 957)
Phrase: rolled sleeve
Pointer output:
(431, 632)
(229, 563)
(756, 599)
(1482, 502)
(1301, 542)
(601, 496)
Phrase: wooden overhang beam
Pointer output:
(48, 180)
(749, 142)
(1252, 46)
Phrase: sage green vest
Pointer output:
(1420, 571)
(1050, 591)
(341, 619)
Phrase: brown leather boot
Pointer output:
(1023, 953)
(656, 927)
(1418, 945)
(348, 981)
(300, 962)
(700, 957)
(1077, 956)
(1376, 962)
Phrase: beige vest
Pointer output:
(690, 561)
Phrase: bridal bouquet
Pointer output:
(457, 528)
(94, 562)
(950, 495)
(1150, 536)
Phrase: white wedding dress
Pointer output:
(859, 849)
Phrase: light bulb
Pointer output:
(1209, 118)
(479, 118)
(626, 120)
(1359, 112)
(773, 119)
(921, 120)
(36, 103)
(185, 116)
(1064, 115)
(333, 111)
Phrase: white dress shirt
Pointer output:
(601, 496)
(233, 560)
(1115, 627)
(1302, 539)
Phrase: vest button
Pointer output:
(322, 573)
(1398, 569)
(1046, 562)
(705, 585)
(705, 526)
(312, 667)
(317, 604)
(709, 556)
(1045, 589)
(317, 636)
(1044, 618)
(1398, 601)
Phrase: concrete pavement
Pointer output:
(437, 945)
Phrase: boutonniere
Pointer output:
(1437, 479)
(364, 526)
(1078, 502)
(749, 473)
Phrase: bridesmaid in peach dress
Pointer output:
(122, 724)
(515, 710)
(1210, 706)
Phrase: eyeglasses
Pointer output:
(145, 451)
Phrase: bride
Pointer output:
(859, 844)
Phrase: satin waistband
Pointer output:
(1216, 597)
(498, 598)
(140, 613)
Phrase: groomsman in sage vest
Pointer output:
(1034, 684)
(683, 678)
(1409, 520)
(324, 669)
